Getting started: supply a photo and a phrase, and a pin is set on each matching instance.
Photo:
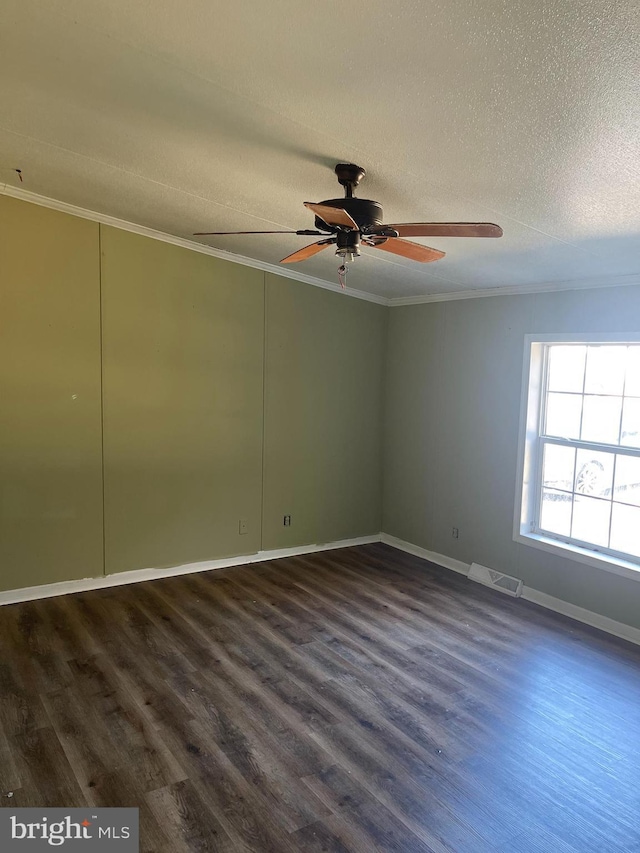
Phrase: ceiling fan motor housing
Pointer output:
(366, 213)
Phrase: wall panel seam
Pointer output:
(264, 406)
(102, 472)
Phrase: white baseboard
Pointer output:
(587, 617)
(595, 620)
(432, 556)
(31, 593)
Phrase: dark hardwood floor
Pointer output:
(355, 700)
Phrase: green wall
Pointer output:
(174, 396)
(182, 367)
(323, 415)
(453, 390)
(50, 441)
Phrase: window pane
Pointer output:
(630, 435)
(555, 514)
(625, 529)
(594, 473)
(566, 368)
(563, 415)
(627, 483)
(605, 369)
(601, 419)
(558, 467)
(591, 520)
(632, 384)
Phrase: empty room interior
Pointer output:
(320, 426)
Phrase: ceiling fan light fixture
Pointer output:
(348, 245)
(349, 254)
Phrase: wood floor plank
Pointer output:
(41, 667)
(344, 795)
(21, 709)
(9, 776)
(188, 820)
(354, 701)
(385, 778)
(83, 735)
(119, 790)
(332, 835)
(44, 768)
(538, 840)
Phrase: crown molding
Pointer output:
(105, 219)
(287, 272)
(520, 290)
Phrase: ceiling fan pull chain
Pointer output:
(343, 269)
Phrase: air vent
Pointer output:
(496, 580)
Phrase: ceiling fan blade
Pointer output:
(446, 229)
(226, 233)
(332, 215)
(407, 249)
(307, 252)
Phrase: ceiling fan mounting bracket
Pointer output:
(349, 175)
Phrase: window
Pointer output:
(580, 462)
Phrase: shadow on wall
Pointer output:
(589, 260)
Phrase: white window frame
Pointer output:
(529, 474)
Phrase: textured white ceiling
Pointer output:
(190, 115)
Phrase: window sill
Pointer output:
(581, 555)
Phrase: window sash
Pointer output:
(528, 485)
(542, 439)
(619, 449)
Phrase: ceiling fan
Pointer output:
(350, 222)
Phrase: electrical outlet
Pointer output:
(287, 521)
(455, 533)
(243, 526)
